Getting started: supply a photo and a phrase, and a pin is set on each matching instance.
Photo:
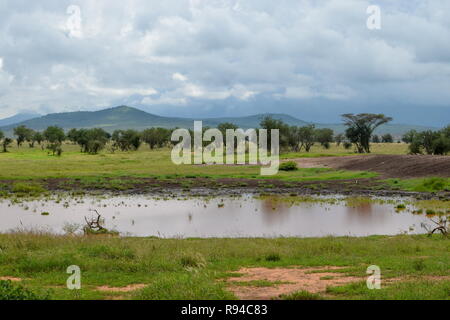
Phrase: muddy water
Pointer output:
(245, 216)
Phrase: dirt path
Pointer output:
(389, 166)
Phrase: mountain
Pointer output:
(124, 117)
(395, 129)
(255, 120)
(17, 118)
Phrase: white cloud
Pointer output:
(208, 53)
(179, 77)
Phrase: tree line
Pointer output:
(428, 142)
(359, 133)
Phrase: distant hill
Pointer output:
(255, 120)
(109, 119)
(18, 118)
(124, 117)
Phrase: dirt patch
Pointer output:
(313, 280)
(13, 279)
(389, 166)
(129, 288)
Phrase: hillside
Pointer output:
(17, 118)
(109, 119)
(124, 117)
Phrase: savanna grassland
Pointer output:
(417, 266)
(33, 264)
(149, 169)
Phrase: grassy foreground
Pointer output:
(196, 269)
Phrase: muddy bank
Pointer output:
(388, 166)
(229, 186)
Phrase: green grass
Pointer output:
(107, 170)
(301, 295)
(335, 151)
(196, 269)
(432, 184)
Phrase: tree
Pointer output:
(409, 136)
(270, 124)
(223, 127)
(430, 142)
(73, 135)
(54, 136)
(37, 137)
(376, 139)
(339, 138)
(361, 127)
(95, 140)
(306, 137)
(6, 143)
(387, 138)
(23, 134)
(90, 140)
(127, 140)
(294, 138)
(324, 137)
(156, 137)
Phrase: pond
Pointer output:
(245, 216)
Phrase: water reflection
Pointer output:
(228, 217)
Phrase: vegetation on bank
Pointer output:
(196, 269)
(26, 171)
(433, 184)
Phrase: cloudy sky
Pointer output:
(312, 59)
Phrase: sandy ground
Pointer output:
(313, 280)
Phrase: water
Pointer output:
(245, 216)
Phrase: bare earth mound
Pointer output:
(389, 166)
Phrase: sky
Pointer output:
(314, 60)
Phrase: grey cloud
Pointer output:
(299, 56)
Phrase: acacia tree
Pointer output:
(270, 124)
(324, 137)
(306, 137)
(5, 141)
(361, 127)
(156, 137)
(23, 134)
(54, 136)
(127, 140)
(387, 138)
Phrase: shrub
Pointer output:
(9, 291)
(27, 189)
(289, 166)
(190, 261)
(273, 257)
(301, 295)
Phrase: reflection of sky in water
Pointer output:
(197, 217)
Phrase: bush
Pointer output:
(301, 295)
(8, 291)
(273, 257)
(27, 189)
(192, 261)
(289, 166)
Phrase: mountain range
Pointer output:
(124, 117)
(18, 118)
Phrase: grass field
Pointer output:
(196, 269)
(33, 163)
